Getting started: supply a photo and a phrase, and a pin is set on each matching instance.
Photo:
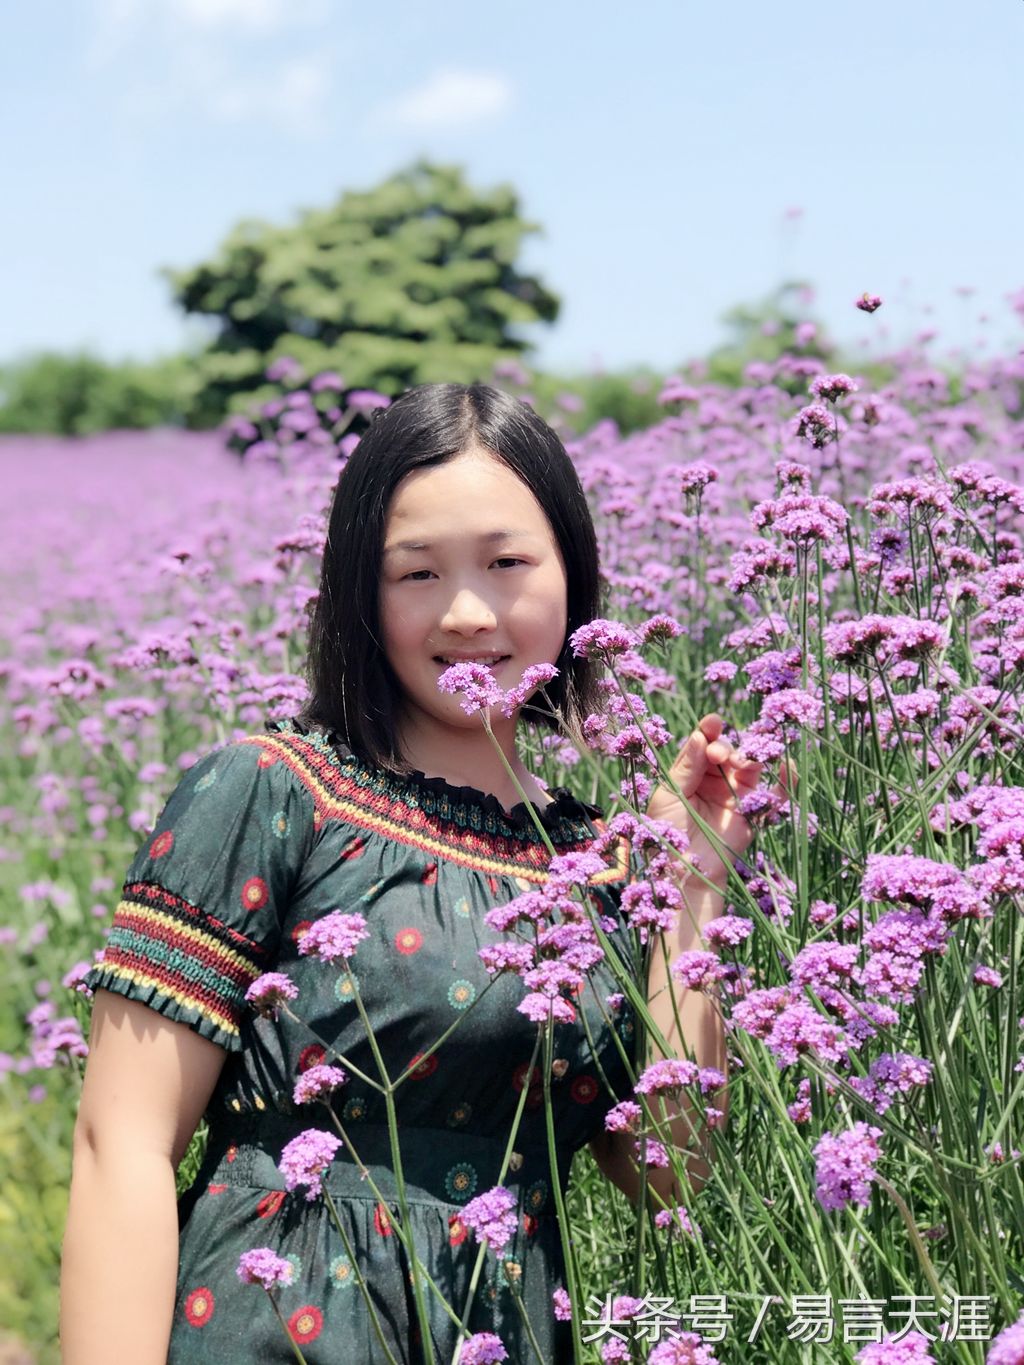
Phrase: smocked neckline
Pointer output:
(564, 804)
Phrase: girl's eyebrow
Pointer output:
(489, 537)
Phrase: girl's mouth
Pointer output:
(487, 660)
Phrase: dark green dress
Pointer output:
(258, 840)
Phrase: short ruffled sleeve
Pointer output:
(203, 900)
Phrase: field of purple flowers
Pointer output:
(841, 576)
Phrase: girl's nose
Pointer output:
(468, 611)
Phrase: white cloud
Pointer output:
(123, 28)
(198, 68)
(257, 16)
(449, 99)
(296, 96)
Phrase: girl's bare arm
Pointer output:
(702, 1033)
(147, 1083)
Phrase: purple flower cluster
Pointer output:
(892, 1074)
(53, 1039)
(677, 1219)
(1008, 1346)
(265, 1267)
(305, 1158)
(480, 689)
(335, 937)
(832, 387)
(912, 1349)
(492, 1216)
(801, 517)
(317, 1083)
(270, 991)
(846, 1166)
(686, 1348)
(559, 942)
(482, 1348)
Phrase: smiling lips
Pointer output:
(488, 660)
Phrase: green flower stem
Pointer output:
(924, 1260)
(330, 1051)
(287, 1331)
(360, 1278)
(538, 824)
(505, 1160)
(415, 1265)
(571, 1272)
(403, 1075)
(531, 1336)
(399, 1231)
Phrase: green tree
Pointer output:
(410, 282)
(76, 394)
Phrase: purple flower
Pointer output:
(669, 1074)
(335, 936)
(728, 931)
(987, 976)
(284, 368)
(685, 1349)
(305, 1159)
(909, 1350)
(651, 1153)
(506, 957)
(676, 390)
(482, 1348)
(800, 1028)
(269, 992)
(601, 639)
(832, 387)
(801, 517)
(792, 705)
(867, 303)
(846, 1166)
(816, 425)
(366, 400)
(800, 1110)
(721, 671)
(660, 627)
(892, 1074)
(824, 964)
(623, 1117)
(562, 1305)
(1008, 1346)
(615, 1351)
(492, 1216)
(696, 969)
(533, 677)
(539, 1008)
(265, 1267)
(477, 684)
(317, 1082)
(695, 477)
(676, 1219)
(74, 978)
(326, 382)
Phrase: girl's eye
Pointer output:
(416, 575)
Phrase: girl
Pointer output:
(459, 534)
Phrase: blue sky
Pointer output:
(663, 146)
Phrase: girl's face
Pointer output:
(471, 571)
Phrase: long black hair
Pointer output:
(352, 689)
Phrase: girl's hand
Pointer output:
(707, 771)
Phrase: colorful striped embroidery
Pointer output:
(161, 942)
(342, 788)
